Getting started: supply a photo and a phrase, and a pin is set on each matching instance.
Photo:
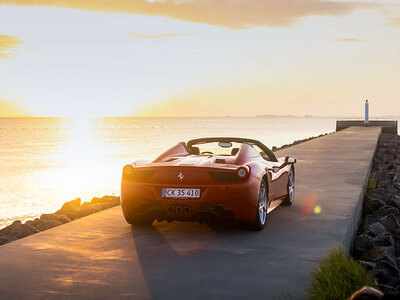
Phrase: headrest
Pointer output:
(194, 150)
(234, 151)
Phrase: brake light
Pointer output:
(128, 170)
(243, 172)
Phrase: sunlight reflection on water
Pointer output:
(45, 162)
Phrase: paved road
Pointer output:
(101, 256)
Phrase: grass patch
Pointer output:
(370, 186)
(338, 276)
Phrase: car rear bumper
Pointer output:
(234, 201)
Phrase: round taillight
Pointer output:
(128, 170)
(242, 172)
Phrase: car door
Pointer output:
(277, 175)
(279, 180)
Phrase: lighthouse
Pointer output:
(366, 117)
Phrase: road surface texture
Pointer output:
(102, 257)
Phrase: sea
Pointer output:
(45, 162)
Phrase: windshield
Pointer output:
(227, 146)
(216, 148)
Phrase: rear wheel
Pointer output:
(140, 220)
(262, 206)
(290, 189)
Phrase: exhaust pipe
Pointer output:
(179, 209)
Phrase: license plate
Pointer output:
(181, 193)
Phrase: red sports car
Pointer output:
(219, 177)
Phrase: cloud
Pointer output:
(159, 36)
(234, 14)
(8, 45)
(347, 40)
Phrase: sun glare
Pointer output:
(82, 156)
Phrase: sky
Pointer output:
(93, 58)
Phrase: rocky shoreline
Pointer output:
(70, 211)
(377, 245)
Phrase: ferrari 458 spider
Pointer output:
(207, 178)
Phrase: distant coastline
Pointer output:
(202, 117)
(288, 116)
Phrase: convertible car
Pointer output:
(208, 178)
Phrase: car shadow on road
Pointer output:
(167, 251)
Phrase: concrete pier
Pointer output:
(388, 126)
(101, 256)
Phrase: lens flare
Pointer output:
(309, 204)
(317, 210)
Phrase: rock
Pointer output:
(49, 217)
(48, 224)
(397, 247)
(95, 200)
(371, 204)
(3, 240)
(23, 231)
(85, 204)
(72, 213)
(367, 264)
(387, 210)
(96, 207)
(376, 229)
(369, 220)
(109, 205)
(386, 272)
(74, 204)
(379, 192)
(378, 253)
(63, 219)
(382, 240)
(387, 289)
(394, 201)
(10, 228)
(389, 222)
(106, 199)
(34, 222)
(362, 243)
(84, 212)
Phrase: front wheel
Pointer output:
(262, 207)
(290, 188)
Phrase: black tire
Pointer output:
(140, 220)
(290, 188)
(262, 207)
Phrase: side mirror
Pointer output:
(290, 160)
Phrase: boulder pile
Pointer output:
(69, 211)
(377, 245)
